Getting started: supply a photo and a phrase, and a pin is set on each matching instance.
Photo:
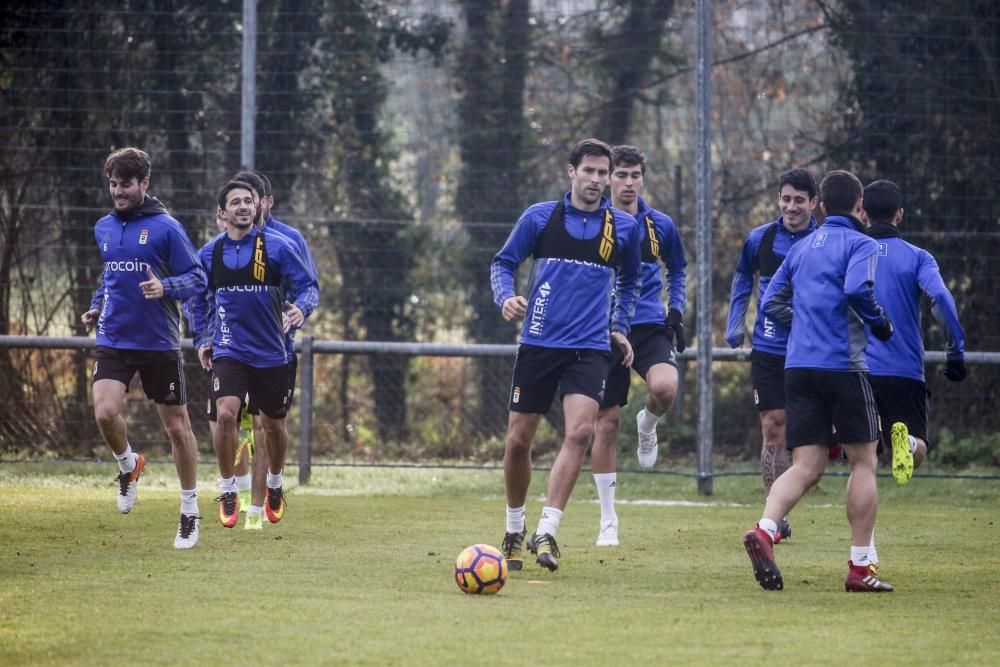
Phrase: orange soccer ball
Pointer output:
(480, 569)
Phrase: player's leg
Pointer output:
(604, 452)
(111, 378)
(230, 382)
(269, 392)
(656, 361)
(767, 376)
(259, 465)
(244, 454)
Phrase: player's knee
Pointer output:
(607, 428)
(580, 435)
(664, 392)
(226, 418)
(106, 413)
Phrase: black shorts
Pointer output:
(293, 372)
(904, 400)
(540, 371)
(820, 401)
(161, 372)
(651, 345)
(767, 376)
(210, 408)
(267, 387)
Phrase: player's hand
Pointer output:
(152, 288)
(735, 341)
(621, 340)
(293, 317)
(675, 324)
(89, 318)
(514, 308)
(205, 357)
(955, 369)
(883, 330)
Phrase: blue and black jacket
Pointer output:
(903, 272)
(585, 273)
(660, 242)
(240, 315)
(763, 251)
(145, 237)
(298, 241)
(824, 292)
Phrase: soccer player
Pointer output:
(149, 263)
(824, 292)
(654, 336)
(244, 344)
(897, 365)
(261, 185)
(763, 251)
(585, 275)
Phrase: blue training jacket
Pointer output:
(903, 272)
(146, 237)
(245, 322)
(299, 243)
(649, 309)
(570, 302)
(768, 335)
(824, 292)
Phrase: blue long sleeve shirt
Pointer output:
(245, 322)
(905, 271)
(570, 302)
(146, 237)
(768, 335)
(824, 291)
(659, 231)
(298, 241)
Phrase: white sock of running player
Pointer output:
(859, 555)
(913, 444)
(606, 483)
(126, 460)
(274, 481)
(228, 485)
(189, 501)
(243, 482)
(647, 421)
(515, 519)
(769, 527)
(254, 509)
(549, 523)
(872, 551)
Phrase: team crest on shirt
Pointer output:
(215, 382)
(143, 236)
(819, 239)
(883, 249)
(517, 395)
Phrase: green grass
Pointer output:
(360, 573)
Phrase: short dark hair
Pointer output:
(589, 147)
(628, 156)
(266, 181)
(800, 179)
(229, 187)
(253, 180)
(840, 191)
(128, 163)
(882, 200)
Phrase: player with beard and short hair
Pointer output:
(149, 263)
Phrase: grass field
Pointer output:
(360, 572)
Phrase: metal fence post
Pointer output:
(305, 408)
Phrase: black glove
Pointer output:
(883, 330)
(955, 369)
(675, 324)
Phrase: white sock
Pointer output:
(769, 527)
(189, 501)
(254, 509)
(549, 523)
(228, 485)
(913, 444)
(515, 519)
(274, 480)
(243, 482)
(872, 552)
(606, 483)
(126, 460)
(647, 420)
(859, 555)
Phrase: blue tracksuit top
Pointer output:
(299, 243)
(570, 302)
(903, 272)
(768, 335)
(146, 237)
(649, 309)
(824, 292)
(245, 321)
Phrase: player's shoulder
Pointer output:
(757, 233)
(210, 244)
(542, 209)
(660, 219)
(623, 219)
(285, 229)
